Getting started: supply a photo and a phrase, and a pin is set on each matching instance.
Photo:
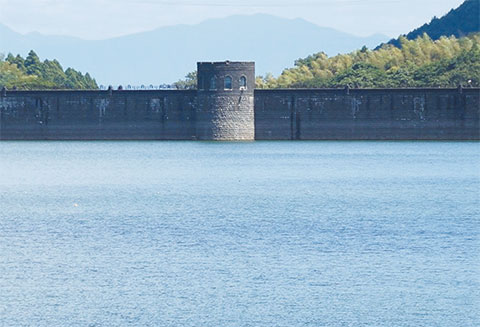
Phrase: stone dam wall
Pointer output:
(98, 115)
(368, 114)
(293, 114)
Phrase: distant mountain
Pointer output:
(166, 54)
(458, 22)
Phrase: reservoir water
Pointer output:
(240, 234)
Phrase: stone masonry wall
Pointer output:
(98, 115)
(232, 118)
(359, 114)
(225, 112)
(382, 114)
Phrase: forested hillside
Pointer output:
(442, 53)
(446, 62)
(458, 22)
(31, 73)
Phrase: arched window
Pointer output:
(228, 83)
(200, 83)
(243, 83)
(213, 83)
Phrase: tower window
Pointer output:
(243, 83)
(213, 83)
(200, 83)
(228, 83)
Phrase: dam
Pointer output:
(226, 106)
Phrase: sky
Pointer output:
(101, 19)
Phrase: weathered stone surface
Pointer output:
(96, 115)
(376, 114)
(225, 112)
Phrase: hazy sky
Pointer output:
(97, 19)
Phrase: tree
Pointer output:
(420, 62)
(32, 64)
(360, 75)
(31, 73)
(189, 83)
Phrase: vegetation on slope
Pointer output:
(30, 73)
(458, 22)
(446, 62)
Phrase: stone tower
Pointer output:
(225, 101)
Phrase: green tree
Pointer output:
(189, 83)
(32, 64)
(420, 62)
(360, 75)
(31, 73)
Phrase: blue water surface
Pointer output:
(240, 234)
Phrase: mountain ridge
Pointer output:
(461, 21)
(166, 54)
